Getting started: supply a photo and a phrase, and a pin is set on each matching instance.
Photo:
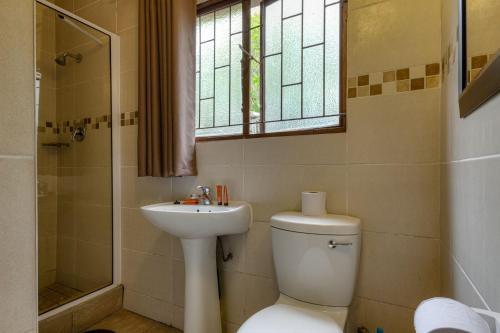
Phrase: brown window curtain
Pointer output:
(166, 139)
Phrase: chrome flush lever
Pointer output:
(332, 244)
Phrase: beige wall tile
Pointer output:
(400, 270)
(259, 252)
(140, 191)
(129, 146)
(17, 84)
(148, 306)
(178, 317)
(129, 46)
(17, 245)
(211, 175)
(396, 199)
(228, 152)
(403, 128)
(101, 12)
(306, 149)
(97, 309)
(259, 293)
(128, 12)
(129, 91)
(372, 314)
(233, 299)
(179, 277)
(140, 235)
(236, 245)
(395, 22)
(272, 189)
(148, 274)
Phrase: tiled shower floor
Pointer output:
(125, 321)
(54, 295)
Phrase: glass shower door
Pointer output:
(75, 219)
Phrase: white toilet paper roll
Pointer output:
(313, 203)
(441, 314)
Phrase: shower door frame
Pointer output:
(116, 159)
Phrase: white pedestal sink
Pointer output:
(198, 227)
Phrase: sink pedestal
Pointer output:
(202, 309)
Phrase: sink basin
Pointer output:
(200, 221)
(198, 227)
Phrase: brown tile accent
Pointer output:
(48, 124)
(417, 84)
(432, 69)
(123, 122)
(351, 93)
(389, 76)
(479, 61)
(403, 85)
(403, 74)
(474, 74)
(432, 82)
(363, 80)
(363, 91)
(123, 116)
(41, 129)
(376, 89)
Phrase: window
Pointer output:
(272, 67)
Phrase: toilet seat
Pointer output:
(284, 318)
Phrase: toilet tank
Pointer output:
(316, 258)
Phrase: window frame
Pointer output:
(214, 5)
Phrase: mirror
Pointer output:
(479, 33)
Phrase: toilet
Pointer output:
(316, 260)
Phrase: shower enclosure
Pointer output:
(77, 112)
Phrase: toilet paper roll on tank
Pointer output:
(313, 203)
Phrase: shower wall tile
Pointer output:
(129, 44)
(101, 12)
(128, 14)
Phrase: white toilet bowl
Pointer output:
(316, 261)
(292, 316)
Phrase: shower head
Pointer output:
(61, 59)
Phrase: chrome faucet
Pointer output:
(205, 196)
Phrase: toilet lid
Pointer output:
(282, 318)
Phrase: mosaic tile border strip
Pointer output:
(127, 118)
(394, 81)
(476, 64)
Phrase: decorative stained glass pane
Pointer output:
(222, 96)
(313, 22)
(222, 26)
(273, 28)
(197, 101)
(292, 102)
(332, 60)
(198, 44)
(292, 7)
(207, 27)
(207, 70)
(313, 81)
(206, 113)
(273, 87)
(255, 79)
(236, 22)
(292, 57)
(236, 88)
